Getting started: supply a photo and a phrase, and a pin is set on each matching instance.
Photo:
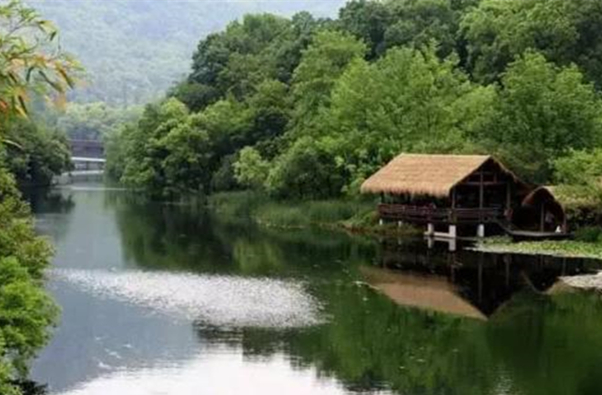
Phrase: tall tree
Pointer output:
(498, 31)
(322, 64)
(543, 112)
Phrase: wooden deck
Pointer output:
(422, 214)
(459, 216)
(523, 235)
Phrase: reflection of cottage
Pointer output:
(462, 192)
(431, 292)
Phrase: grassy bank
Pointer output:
(357, 216)
(564, 248)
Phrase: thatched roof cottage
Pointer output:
(454, 190)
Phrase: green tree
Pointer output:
(93, 121)
(270, 111)
(498, 31)
(408, 101)
(322, 64)
(305, 171)
(543, 112)
(251, 170)
(37, 153)
(369, 21)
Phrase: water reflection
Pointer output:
(174, 300)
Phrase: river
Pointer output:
(173, 300)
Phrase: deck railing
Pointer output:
(402, 212)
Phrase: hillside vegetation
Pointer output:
(306, 108)
(134, 50)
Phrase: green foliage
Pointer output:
(30, 59)
(406, 102)
(30, 62)
(286, 214)
(251, 169)
(543, 111)
(93, 121)
(323, 104)
(238, 60)
(580, 168)
(566, 248)
(305, 171)
(37, 155)
(579, 175)
(589, 234)
(26, 311)
(413, 23)
(321, 65)
(166, 152)
(498, 31)
(224, 178)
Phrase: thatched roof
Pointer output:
(418, 174)
(545, 194)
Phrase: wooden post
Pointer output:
(542, 218)
(481, 191)
(508, 195)
(480, 280)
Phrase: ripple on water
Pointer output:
(211, 300)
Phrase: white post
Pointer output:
(452, 245)
(399, 224)
(430, 230)
(481, 231)
(381, 222)
(452, 231)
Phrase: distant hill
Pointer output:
(134, 50)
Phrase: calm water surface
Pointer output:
(171, 300)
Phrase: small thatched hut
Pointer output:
(540, 211)
(446, 189)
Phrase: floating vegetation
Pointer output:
(562, 248)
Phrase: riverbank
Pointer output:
(355, 216)
(562, 248)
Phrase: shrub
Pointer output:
(589, 234)
(251, 169)
(305, 171)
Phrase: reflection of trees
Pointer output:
(56, 205)
(536, 345)
(45, 200)
(550, 345)
(531, 344)
(169, 237)
(32, 388)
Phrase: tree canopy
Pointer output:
(284, 101)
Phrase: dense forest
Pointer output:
(305, 107)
